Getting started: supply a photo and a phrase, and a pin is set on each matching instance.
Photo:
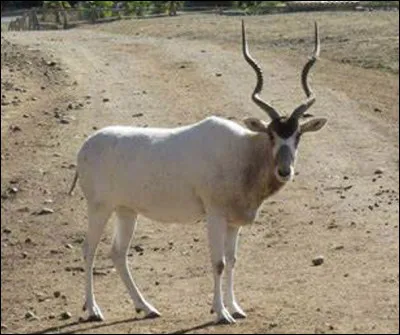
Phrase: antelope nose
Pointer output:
(284, 172)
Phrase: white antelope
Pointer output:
(214, 169)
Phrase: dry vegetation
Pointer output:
(366, 39)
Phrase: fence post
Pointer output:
(19, 24)
(25, 21)
(93, 15)
(65, 19)
(30, 20)
(58, 19)
(34, 20)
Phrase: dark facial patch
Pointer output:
(284, 127)
(297, 139)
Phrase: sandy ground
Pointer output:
(57, 87)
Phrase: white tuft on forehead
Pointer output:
(290, 142)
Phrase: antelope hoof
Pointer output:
(95, 318)
(153, 315)
(239, 315)
(94, 313)
(225, 321)
(225, 318)
(150, 314)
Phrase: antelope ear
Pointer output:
(255, 124)
(313, 125)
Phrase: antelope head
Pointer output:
(284, 132)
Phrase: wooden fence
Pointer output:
(43, 19)
(321, 5)
(51, 18)
(28, 21)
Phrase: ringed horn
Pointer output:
(271, 111)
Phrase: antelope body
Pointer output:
(214, 169)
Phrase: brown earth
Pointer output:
(57, 87)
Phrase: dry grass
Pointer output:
(365, 39)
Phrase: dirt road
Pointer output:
(343, 203)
